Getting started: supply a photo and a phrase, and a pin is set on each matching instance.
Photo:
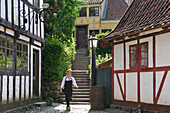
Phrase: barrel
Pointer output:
(97, 97)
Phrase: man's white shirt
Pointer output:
(68, 79)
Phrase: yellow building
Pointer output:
(99, 16)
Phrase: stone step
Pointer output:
(85, 50)
(79, 71)
(40, 104)
(79, 67)
(82, 87)
(79, 78)
(83, 84)
(83, 81)
(78, 93)
(76, 99)
(81, 90)
(76, 96)
(78, 103)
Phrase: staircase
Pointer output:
(79, 72)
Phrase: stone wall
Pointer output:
(51, 89)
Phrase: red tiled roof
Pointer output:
(115, 9)
(142, 14)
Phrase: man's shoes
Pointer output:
(68, 108)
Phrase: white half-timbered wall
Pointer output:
(10, 12)
(143, 86)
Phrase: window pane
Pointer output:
(132, 63)
(19, 46)
(9, 58)
(146, 47)
(142, 47)
(9, 44)
(146, 63)
(135, 63)
(91, 11)
(142, 62)
(2, 42)
(131, 50)
(146, 55)
(142, 55)
(132, 56)
(2, 57)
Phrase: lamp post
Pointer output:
(93, 45)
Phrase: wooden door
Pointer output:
(81, 37)
(35, 73)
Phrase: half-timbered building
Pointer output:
(141, 56)
(21, 40)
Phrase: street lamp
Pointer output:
(93, 45)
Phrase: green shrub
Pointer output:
(103, 51)
(56, 59)
(49, 101)
(52, 56)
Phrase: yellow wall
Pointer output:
(94, 22)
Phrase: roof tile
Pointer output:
(142, 14)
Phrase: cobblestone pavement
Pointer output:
(60, 108)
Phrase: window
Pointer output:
(94, 11)
(83, 12)
(96, 32)
(6, 52)
(105, 30)
(22, 56)
(142, 54)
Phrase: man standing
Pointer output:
(67, 86)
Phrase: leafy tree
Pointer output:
(63, 25)
(103, 51)
(59, 49)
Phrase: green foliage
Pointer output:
(57, 59)
(100, 50)
(52, 56)
(100, 59)
(49, 101)
(63, 25)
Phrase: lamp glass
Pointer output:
(93, 42)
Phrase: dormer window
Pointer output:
(94, 11)
(83, 12)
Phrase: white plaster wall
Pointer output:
(118, 57)
(117, 91)
(164, 98)
(17, 88)
(163, 50)
(150, 50)
(131, 87)
(127, 52)
(16, 12)
(42, 24)
(22, 87)
(21, 18)
(31, 19)
(27, 87)
(39, 22)
(39, 49)
(27, 24)
(35, 25)
(146, 87)
(11, 89)
(4, 90)
(9, 11)
(3, 9)
(159, 76)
